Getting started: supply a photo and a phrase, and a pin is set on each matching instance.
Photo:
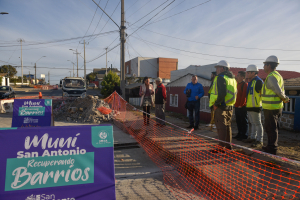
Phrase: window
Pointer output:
(174, 100)
(127, 67)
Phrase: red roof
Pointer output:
(285, 74)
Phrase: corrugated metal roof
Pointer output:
(189, 74)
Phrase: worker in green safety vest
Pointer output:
(212, 111)
(222, 98)
(273, 97)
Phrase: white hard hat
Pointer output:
(272, 59)
(252, 68)
(223, 63)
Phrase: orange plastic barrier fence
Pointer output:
(192, 171)
(104, 110)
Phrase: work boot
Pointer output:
(249, 140)
(237, 136)
(242, 137)
(257, 144)
(270, 151)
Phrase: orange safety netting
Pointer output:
(104, 110)
(191, 171)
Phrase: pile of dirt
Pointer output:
(81, 110)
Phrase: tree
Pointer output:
(91, 76)
(10, 70)
(108, 83)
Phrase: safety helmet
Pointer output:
(273, 59)
(252, 68)
(223, 63)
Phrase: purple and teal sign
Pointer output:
(57, 163)
(32, 112)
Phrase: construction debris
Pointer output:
(81, 110)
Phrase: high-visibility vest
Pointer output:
(253, 97)
(231, 90)
(270, 100)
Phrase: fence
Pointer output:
(192, 171)
(135, 101)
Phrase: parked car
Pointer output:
(93, 85)
(7, 92)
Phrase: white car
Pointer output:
(93, 85)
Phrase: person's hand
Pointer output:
(240, 107)
(286, 100)
(196, 97)
(215, 107)
(142, 93)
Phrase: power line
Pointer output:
(179, 12)
(151, 18)
(105, 23)
(103, 54)
(207, 54)
(149, 13)
(138, 9)
(63, 40)
(101, 15)
(252, 48)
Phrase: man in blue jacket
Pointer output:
(194, 91)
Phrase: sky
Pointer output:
(197, 32)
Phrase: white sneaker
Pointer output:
(209, 125)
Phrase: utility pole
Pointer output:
(21, 40)
(84, 64)
(76, 58)
(122, 48)
(49, 77)
(35, 74)
(70, 73)
(106, 61)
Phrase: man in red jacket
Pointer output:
(240, 106)
(160, 99)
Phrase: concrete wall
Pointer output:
(148, 67)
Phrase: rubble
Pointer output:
(81, 110)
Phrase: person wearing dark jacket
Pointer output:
(240, 107)
(117, 89)
(160, 99)
(222, 98)
(194, 91)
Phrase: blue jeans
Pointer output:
(241, 120)
(194, 106)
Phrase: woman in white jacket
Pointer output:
(146, 92)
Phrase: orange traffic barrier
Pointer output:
(40, 95)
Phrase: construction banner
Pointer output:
(56, 163)
(32, 112)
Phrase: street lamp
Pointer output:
(4, 13)
(35, 69)
(76, 57)
(73, 67)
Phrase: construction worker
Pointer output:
(272, 96)
(212, 121)
(254, 107)
(222, 98)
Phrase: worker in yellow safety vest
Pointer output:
(212, 111)
(273, 97)
(222, 98)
